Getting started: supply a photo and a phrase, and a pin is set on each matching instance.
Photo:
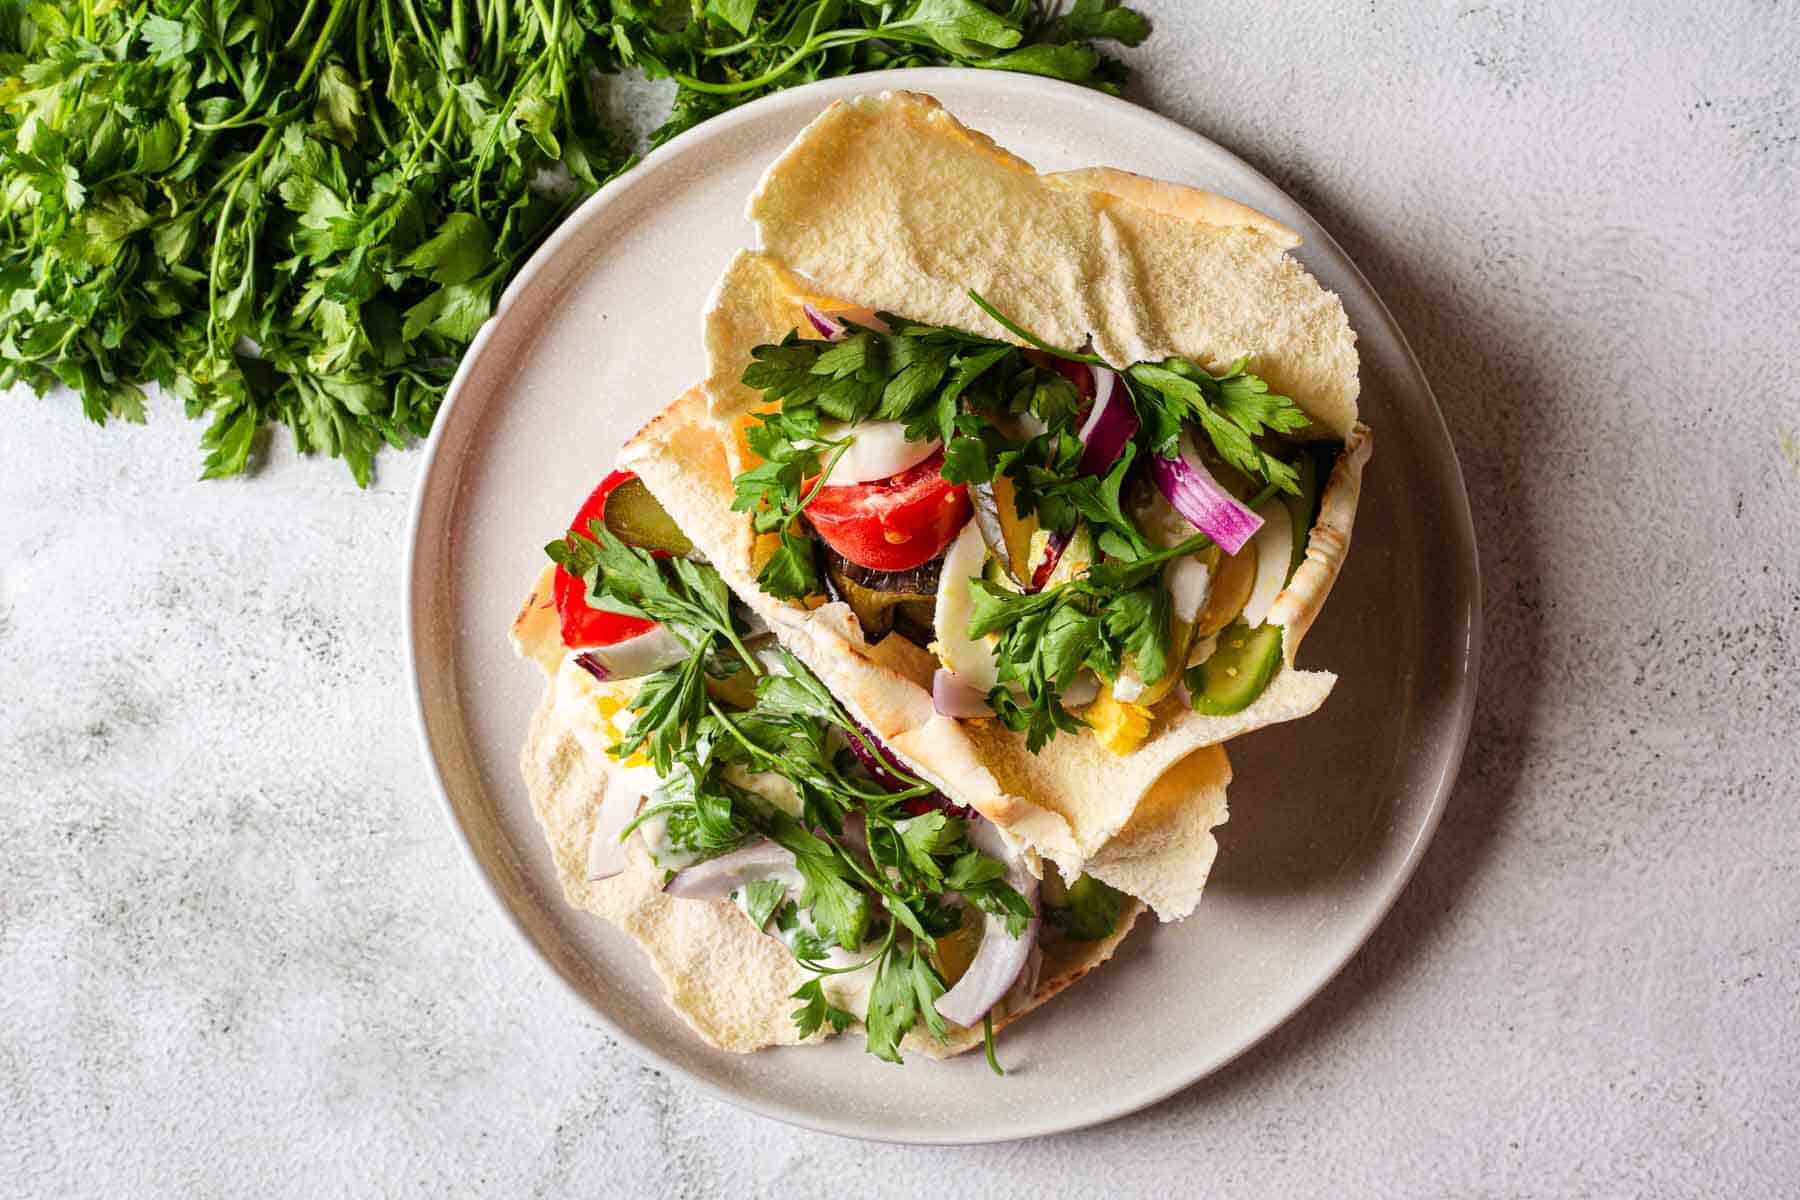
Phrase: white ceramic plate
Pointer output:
(1329, 815)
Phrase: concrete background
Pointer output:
(240, 954)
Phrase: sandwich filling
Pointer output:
(1073, 543)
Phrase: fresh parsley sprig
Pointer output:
(1232, 408)
(690, 600)
(1047, 637)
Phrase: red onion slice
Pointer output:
(1054, 546)
(1110, 424)
(1196, 495)
(717, 878)
(828, 329)
(951, 697)
(1001, 958)
(645, 654)
(832, 329)
(619, 802)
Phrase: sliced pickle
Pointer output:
(635, 518)
(1238, 670)
(1303, 508)
(1007, 534)
(955, 951)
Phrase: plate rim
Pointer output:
(1467, 570)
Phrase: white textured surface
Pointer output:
(241, 955)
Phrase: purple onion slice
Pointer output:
(645, 654)
(829, 329)
(1196, 495)
(1110, 424)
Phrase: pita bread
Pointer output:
(1147, 269)
(1144, 268)
(731, 983)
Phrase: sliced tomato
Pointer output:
(583, 625)
(892, 524)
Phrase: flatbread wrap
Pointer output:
(696, 788)
(1046, 476)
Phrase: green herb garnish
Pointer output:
(882, 895)
(973, 392)
(299, 213)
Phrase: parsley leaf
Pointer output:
(761, 898)
(905, 985)
(1089, 912)
(815, 1010)
(923, 836)
(840, 910)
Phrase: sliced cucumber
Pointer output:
(1007, 534)
(1238, 671)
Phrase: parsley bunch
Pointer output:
(299, 213)
(886, 887)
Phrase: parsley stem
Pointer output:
(362, 70)
(756, 752)
(428, 137)
(810, 47)
(652, 811)
(1032, 339)
(338, 9)
(743, 653)
(817, 966)
(918, 786)
(987, 1037)
(300, 25)
(830, 466)
(734, 48)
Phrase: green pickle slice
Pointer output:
(1238, 670)
(635, 518)
(1303, 509)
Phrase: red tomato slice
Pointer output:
(892, 524)
(581, 624)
